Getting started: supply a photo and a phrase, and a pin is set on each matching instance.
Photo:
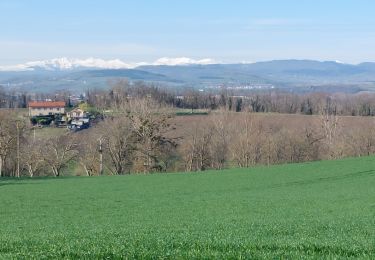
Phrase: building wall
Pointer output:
(77, 113)
(45, 111)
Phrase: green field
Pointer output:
(311, 210)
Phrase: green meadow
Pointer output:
(311, 210)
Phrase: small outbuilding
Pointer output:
(77, 113)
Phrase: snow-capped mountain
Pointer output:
(68, 64)
(95, 63)
(182, 61)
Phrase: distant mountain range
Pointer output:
(93, 63)
(291, 75)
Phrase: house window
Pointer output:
(58, 109)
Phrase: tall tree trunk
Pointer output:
(55, 171)
(1, 166)
(31, 171)
(86, 170)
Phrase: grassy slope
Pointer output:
(323, 209)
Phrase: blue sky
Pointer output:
(224, 30)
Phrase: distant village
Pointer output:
(53, 113)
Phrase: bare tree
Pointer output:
(150, 126)
(89, 153)
(59, 151)
(32, 158)
(221, 136)
(196, 148)
(8, 136)
(330, 129)
(241, 144)
(118, 143)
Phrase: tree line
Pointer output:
(273, 101)
(268, 101)
(139, 133)
(144, 136)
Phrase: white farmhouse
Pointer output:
(45, 108)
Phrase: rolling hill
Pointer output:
(314, 210)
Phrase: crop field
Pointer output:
(311, 210)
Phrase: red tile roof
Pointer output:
(47, 104)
